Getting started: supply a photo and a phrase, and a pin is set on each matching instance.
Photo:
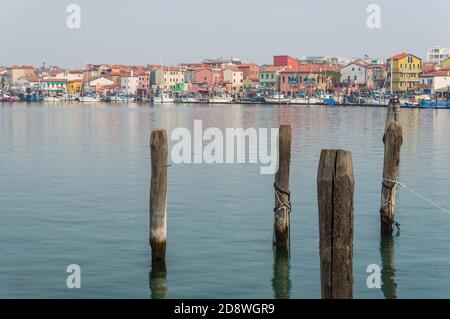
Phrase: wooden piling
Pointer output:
(393, 140)
(282, 208)
(393, 112)
(158, 195)
(335, 188)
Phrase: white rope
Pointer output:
(419, 195)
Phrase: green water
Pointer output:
(74, 190)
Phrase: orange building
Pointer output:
(250, 71)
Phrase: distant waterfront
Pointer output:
(75, 190)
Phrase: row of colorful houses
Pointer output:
(403, 72)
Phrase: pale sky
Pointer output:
(142, 31)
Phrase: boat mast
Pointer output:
(40, 78)
(392, 72)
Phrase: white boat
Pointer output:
(299, 100)
(87, 99)
(277, 99)
(378, 100)
(189, 100)
(306, 100)
(163, 98)
(406, 102)
(221, 99)
(51, 99)
(121, 98)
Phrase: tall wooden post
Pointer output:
(335, 188)
(282, 208)
(393, 112)
(158, 195)
(392, 142)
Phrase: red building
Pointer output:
(285, 60)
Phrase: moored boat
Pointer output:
(163, 98)
(277, 99)
(222, 99)
(88, 99)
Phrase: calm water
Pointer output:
(74, 190)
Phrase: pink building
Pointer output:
(208, 76)
(143, 82)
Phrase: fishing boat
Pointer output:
(51, 99)
(277, 99)
(379, 99)
(120, 98)
(299, 100)
(31, 98)
(189, 100)
(328, 99)
(222, 99)
(88, 99)
(8, 98)
(163, 98)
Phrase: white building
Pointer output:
(357, 72)
(100, 82)
(129, 84)
(437, 54)
(235, 77)
(25, 82)
(70, 75)
(436, 80)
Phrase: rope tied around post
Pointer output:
(283, 207)
(281, 204)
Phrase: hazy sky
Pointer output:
(141, 31)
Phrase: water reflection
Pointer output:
(281, 282)
(158, 281)
(389, 285)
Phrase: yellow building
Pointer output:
(404, 72)
(446, 64)
(74, 87)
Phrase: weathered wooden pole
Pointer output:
(393, 112)
(282, 208)
(158, 195)
(393, 140)
(335, 188)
